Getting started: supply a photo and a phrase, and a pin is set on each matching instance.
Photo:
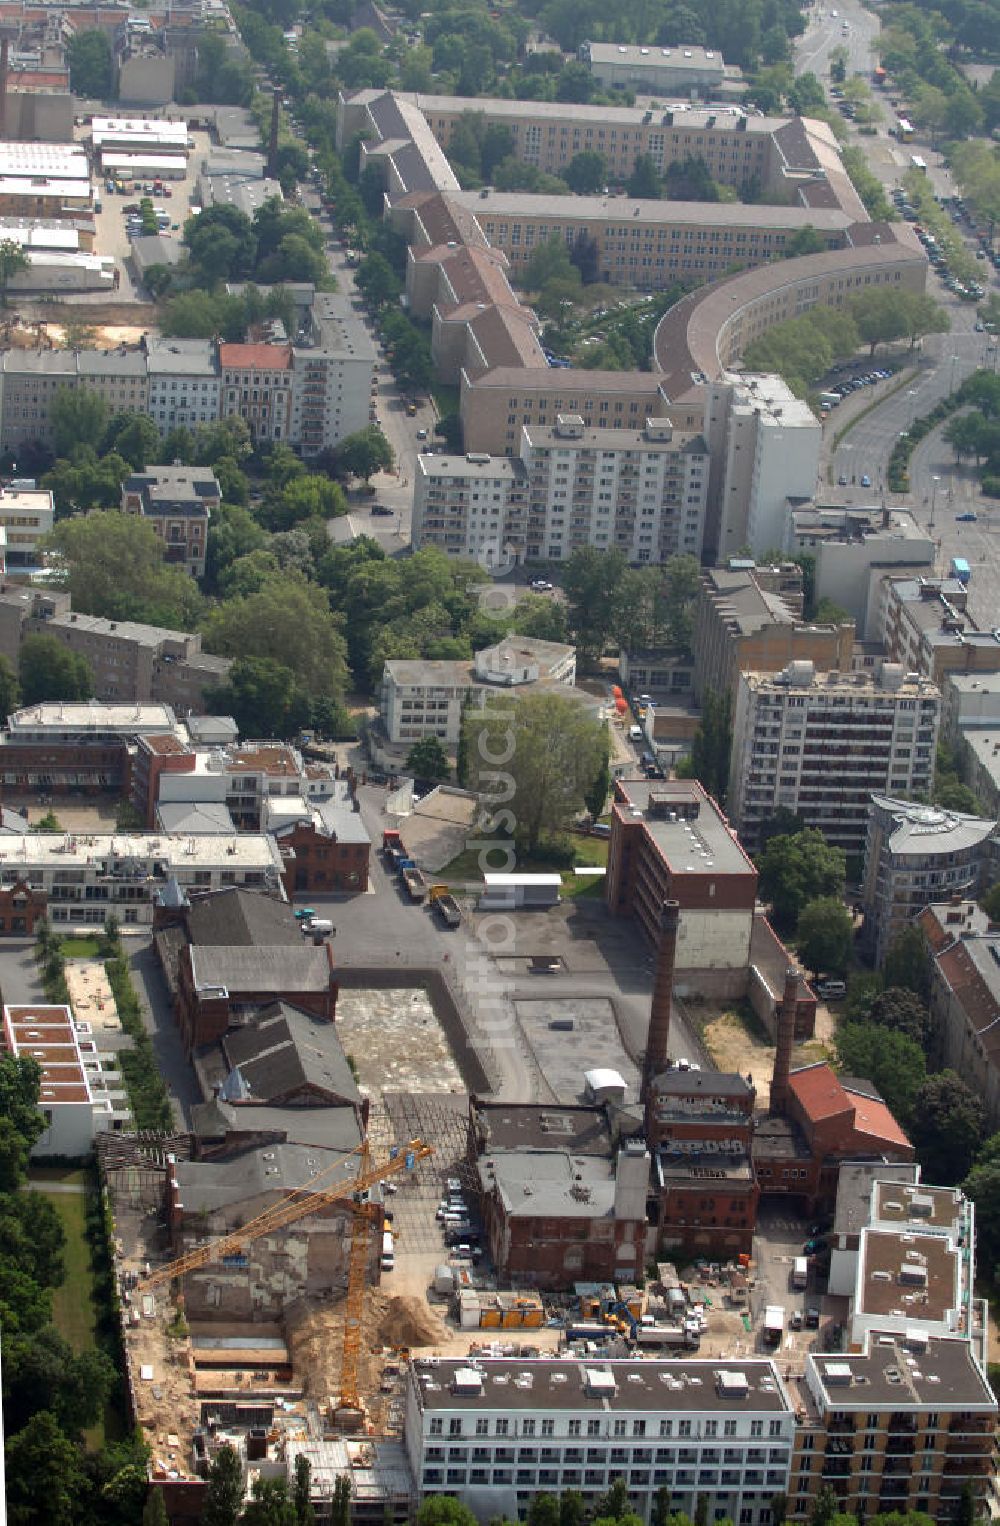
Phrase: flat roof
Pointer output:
(700, 842)
(681, 56)
(54, 850)
(913, 1206)
(93, 715)
(939, 1375)
(529, 205)
(691, 1386)
(554, 1183)
(921, 829)
(152, 161)
(48, 1035)
(907, 1276)
(528, 1125)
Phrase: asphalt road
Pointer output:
(825, 32)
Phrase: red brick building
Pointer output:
(217, 987)
(21, 909)
(699, 1128)
(827, 1119)
(563, 1197)
(332, 851)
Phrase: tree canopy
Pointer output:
(113, 565)
(947, 1127)
(825, 935)
(893, 1062)
(50, 670)
(798, 868)
(288, 620)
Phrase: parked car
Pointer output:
(382, 510)
(968, 518)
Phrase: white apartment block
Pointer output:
(822, 744)
(640, 491)
(426, 698)
(333, 366)
(79, 1093)
(184, 382)
(88, 876)
(498, 1431)
(26, 515)
(764, 446)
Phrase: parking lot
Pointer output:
(782, 1235)
(112, 237)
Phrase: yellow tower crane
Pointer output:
(317, 1193)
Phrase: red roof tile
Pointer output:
(255, 357)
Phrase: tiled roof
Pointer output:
(255, 357)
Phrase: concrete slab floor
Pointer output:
(562, 1054)
(396, 1042)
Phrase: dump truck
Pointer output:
(412, 878)
(774, 1324)
(444, 903)
(392, 845)
(666, 1335)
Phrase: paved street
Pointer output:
(159, 1020)
(19, 982)
(825, 32)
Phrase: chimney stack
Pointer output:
(663, 987)
(786, 1037)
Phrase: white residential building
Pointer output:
(640, 491)
(764, 446)
(26, 515)
(86, 877)
(854, 548)
(426, 698)
(333, 366)
(78, 1095)
(498, 1431)
(184, 382)
(821, 744)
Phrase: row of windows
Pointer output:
(528, 1426)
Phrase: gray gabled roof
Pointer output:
(289, 1049)
(241, 918)
(276, 969)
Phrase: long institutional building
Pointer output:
(465, 247)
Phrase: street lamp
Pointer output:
(935, 481)
(954, 362)
(912, 395)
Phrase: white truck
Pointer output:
(774, 1324)
(800, 1273)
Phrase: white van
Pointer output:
(831, 990)
(388, 1255)
(635, 734)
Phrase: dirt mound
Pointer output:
(405, 1321)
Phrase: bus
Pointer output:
(918, 164)
(904, 130)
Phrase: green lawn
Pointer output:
(80, 948)
(467, 868)
(74, 1310)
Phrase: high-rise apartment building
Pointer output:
(640, 491)
(820, 744)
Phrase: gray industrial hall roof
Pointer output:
(947, 1377)
(532, 1126)
(330, 1128)
(856, 1187)
(197, 816)
(235, 916)
(539, 1384)
(208, 1186)
(702, 1083)
(275, 968)
(288, 1049)
(554, 1183)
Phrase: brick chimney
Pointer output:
(663, 987)
(786, 1038)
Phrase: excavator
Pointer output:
(317, 1193)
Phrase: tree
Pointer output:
(263, 697)
(224, 1495)
(661, 1513)
(443, 1510)
(644, 183)
(154, 1511)
(712, 745)
(825, 934)
(428, 760)
(377, 281)
(805, 241)
(10, 693)
(77, 416)
(550, 262)
(882, 315)
(894, 1063)
(543, 1510)
(135, 438)
(91, 75)
(613, 1505)
(596, 797)
(825, 1508)
(305, 1514)
(222, 244)
(12, 261)
(341, 1505)
(571, 1508)
(270, 1505)
(589, 581)
(49, 670)
(797, 869)
(947, 1127)
(903, 1012)
(982, 1185)
(907, 963)
(114, 566)
(535, 757)
(288, 620)
(45, 1478)
(586, 172)
(364, 453)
